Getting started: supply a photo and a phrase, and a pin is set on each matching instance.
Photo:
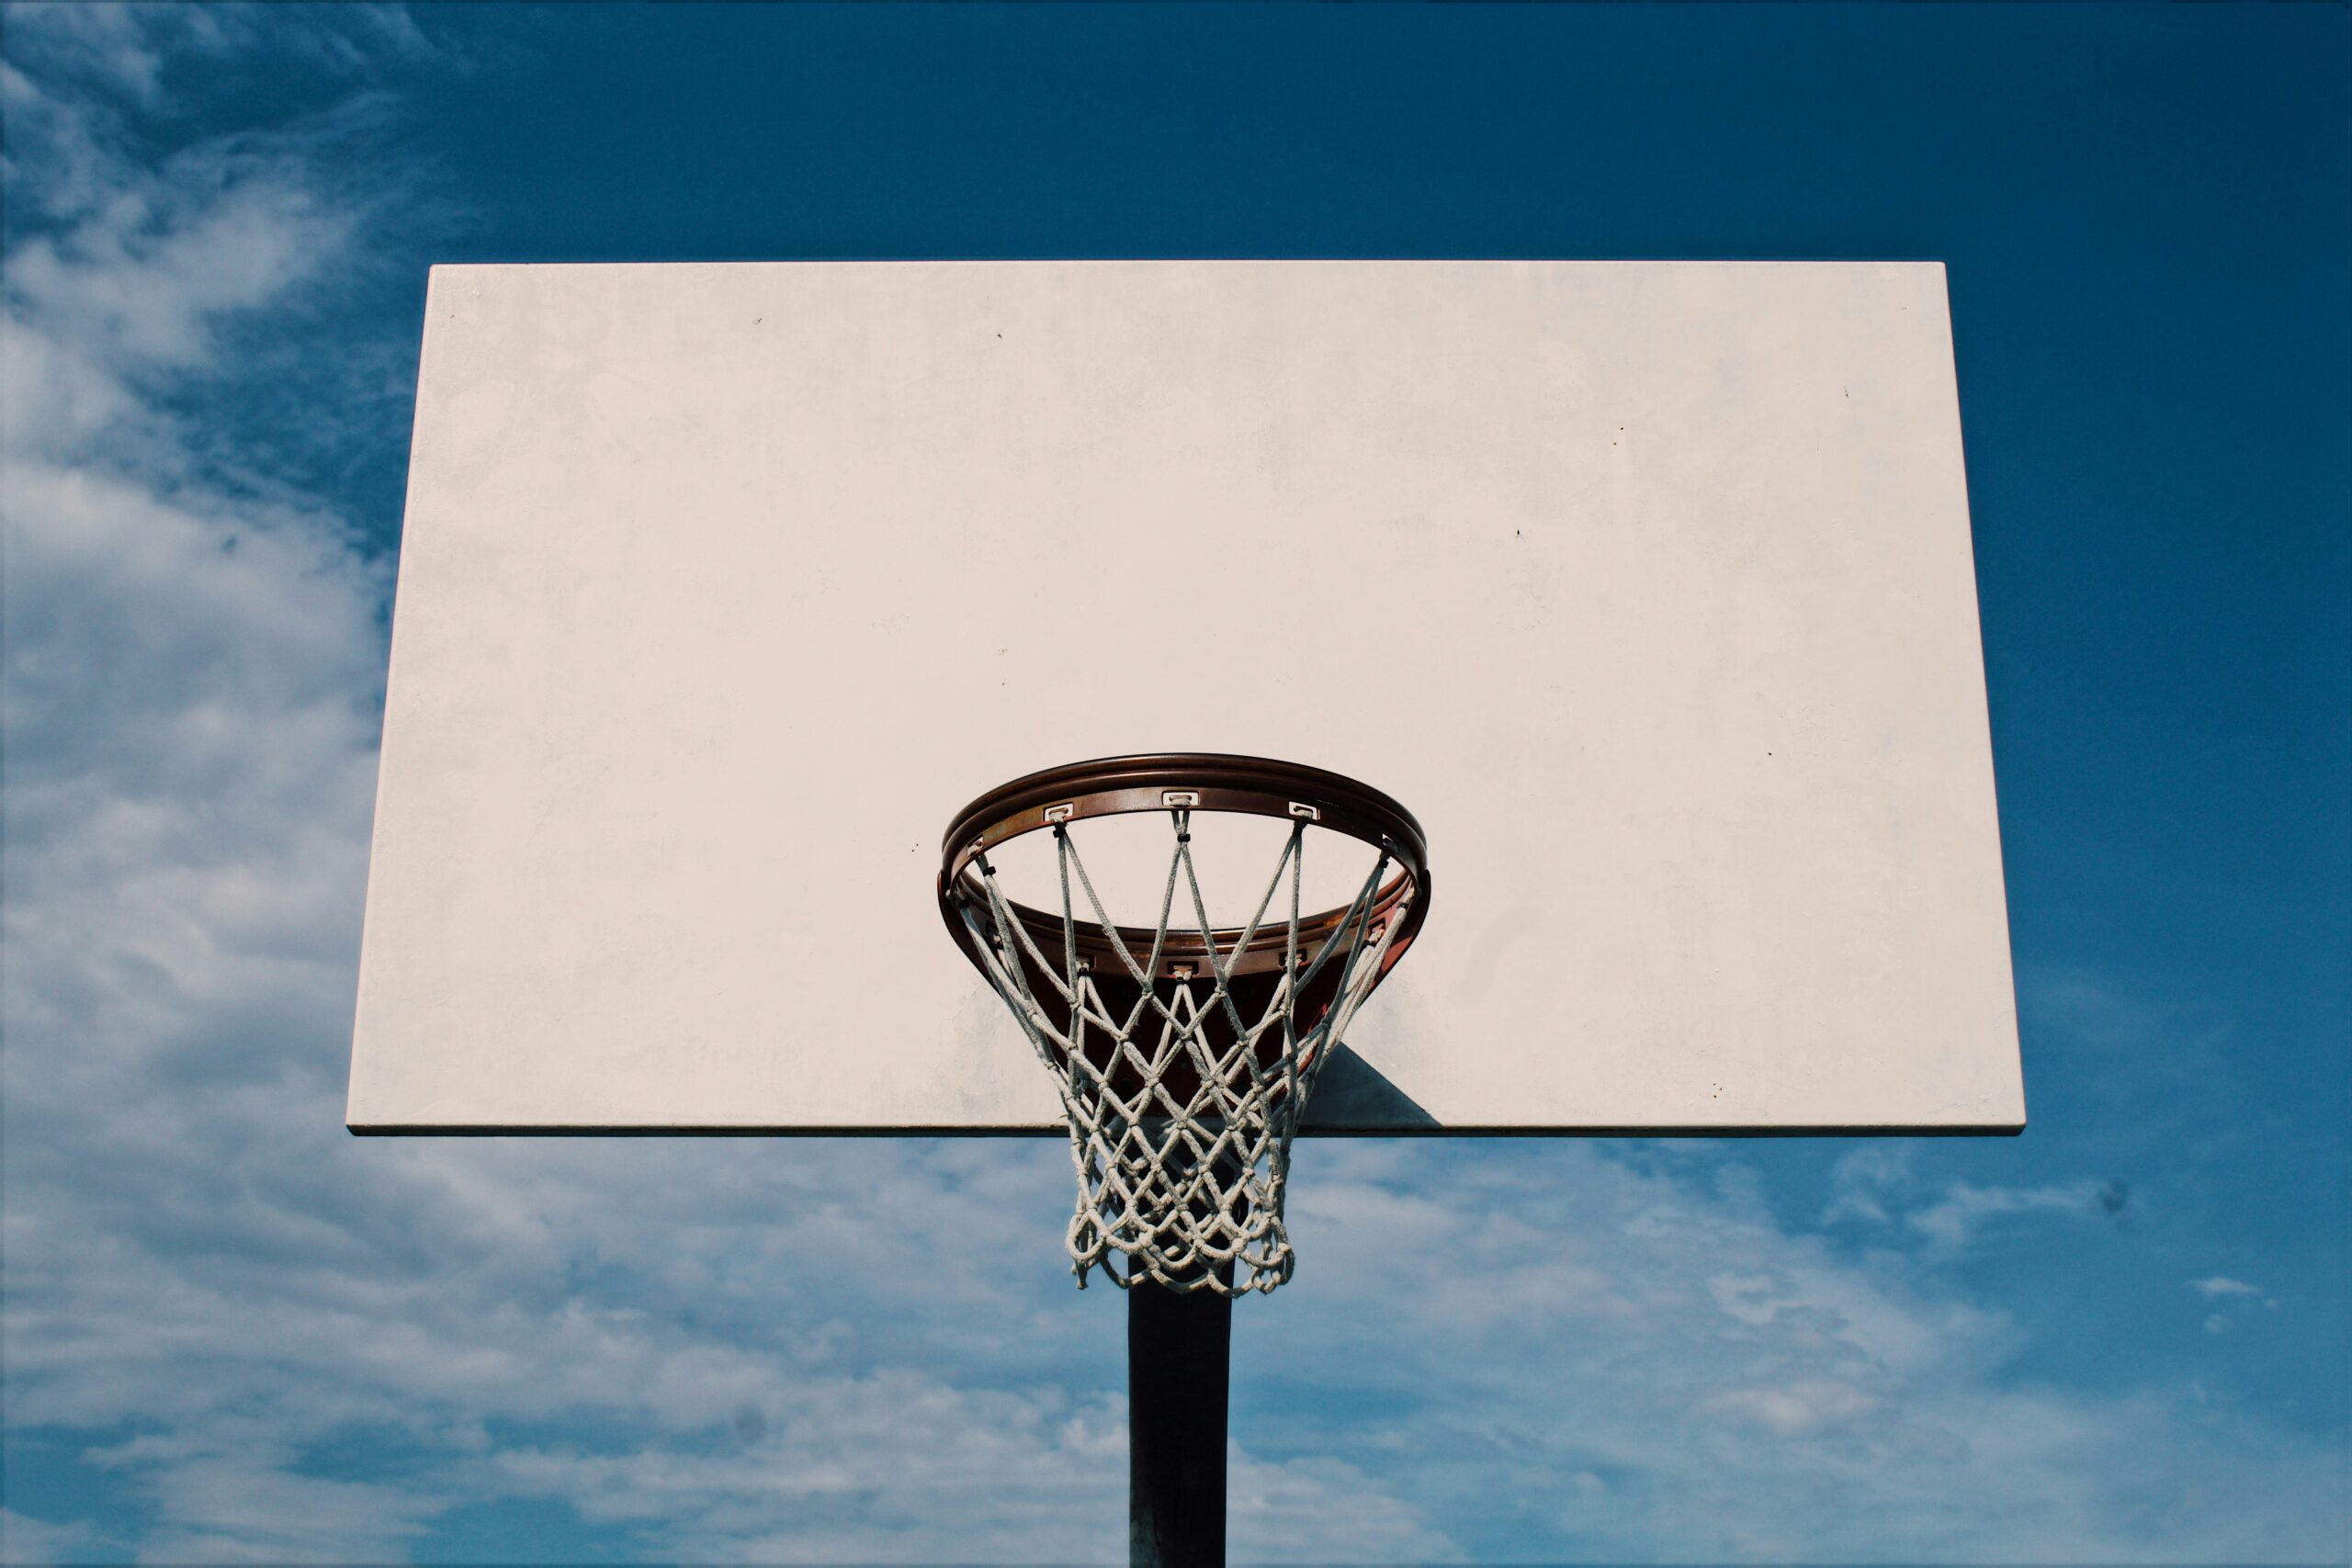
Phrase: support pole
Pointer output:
(1179, 1353)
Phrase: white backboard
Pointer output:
(1646, 587)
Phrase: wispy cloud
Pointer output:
(1957, 1218)
(1733, 1390)
(1879, 1185)
(24, 1539)
(2235, 1299)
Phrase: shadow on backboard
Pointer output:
(1351, 1096)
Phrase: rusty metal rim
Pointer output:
(1199, 782)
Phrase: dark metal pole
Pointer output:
(1179, 1353)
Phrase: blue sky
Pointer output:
(233, 1333)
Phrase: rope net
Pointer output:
(1183, 1090)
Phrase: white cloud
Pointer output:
(249, 1507)
(746, 1351)
(1317, 1510)
(27, 1539)
(142, 286)
(1878, 1185)
(1796, 1409)
(1741, 1392)
(1963, 1212)
(2235, 1299)
(1865, 1179)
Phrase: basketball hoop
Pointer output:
(1185, 1051)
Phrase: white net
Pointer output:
(1184, 1078)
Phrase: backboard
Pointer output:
(1645, 586)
